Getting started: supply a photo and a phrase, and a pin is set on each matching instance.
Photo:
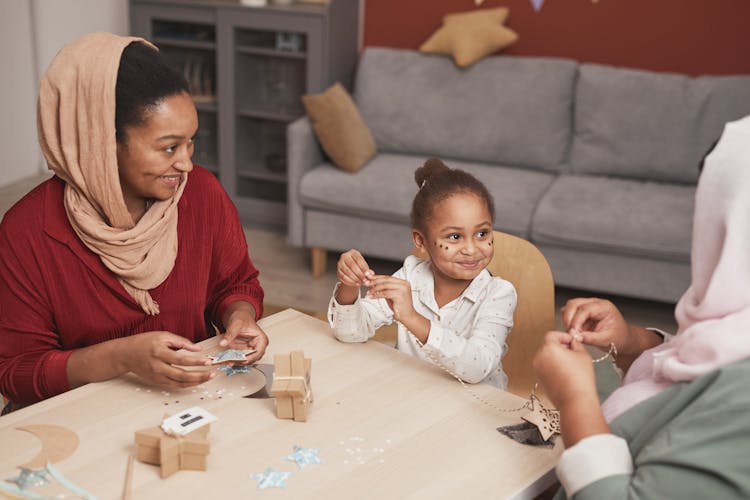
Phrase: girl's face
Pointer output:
(459, 237)
(155, 154)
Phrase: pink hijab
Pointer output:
(714, 313)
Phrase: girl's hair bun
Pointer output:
(431, 168)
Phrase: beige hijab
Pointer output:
(76, 127)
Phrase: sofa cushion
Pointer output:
(647, 125)
(339, 127)
(726, 99)
(384, 189)
(502, 110)
(621, 216)
(470, 36)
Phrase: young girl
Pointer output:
(448, 307)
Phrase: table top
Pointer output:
(386, 426)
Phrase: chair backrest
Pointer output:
(520, 262)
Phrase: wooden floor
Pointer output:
(286, 277)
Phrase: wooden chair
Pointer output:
(520, 262)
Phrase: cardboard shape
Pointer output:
(173, 453)
(291, 385)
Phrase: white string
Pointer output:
(529, 403)
(296, 377)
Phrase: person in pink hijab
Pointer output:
(130, 254)
(679, 425)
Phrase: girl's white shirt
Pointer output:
(467, 335)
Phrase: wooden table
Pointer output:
(387, 426)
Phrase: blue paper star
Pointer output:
(230, 355)
(29, 478)
(271, 478)
(304, 456)
(234, 369)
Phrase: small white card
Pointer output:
(187, 421)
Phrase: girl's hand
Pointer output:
(352, 269)
(154, 358)
(564, 368)
(396, 292)
(352, 272)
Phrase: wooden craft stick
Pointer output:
(127, 489)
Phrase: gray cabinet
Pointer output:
(247, 68)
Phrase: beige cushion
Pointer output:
(340, 128)
(471, 36)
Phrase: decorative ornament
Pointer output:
(304, 456)
(271, 478)
(541, 424)
(230, 355)
(234, 369)
(58, 443)
(28, 478)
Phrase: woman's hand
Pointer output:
(154, 357)
(564, 368)
(599, 322)
(242, 332)
(352, 272)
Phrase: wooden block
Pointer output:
(173, 453)
(300, 409)
(169, 455)
(282, 368)
(192, 461)
(149, 454)
(298, 388)
(149, 437)
(284, 407)
(196, 442)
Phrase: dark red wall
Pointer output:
(684, 36)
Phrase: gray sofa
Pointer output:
(595, 165)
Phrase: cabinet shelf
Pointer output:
(206, 106)
(247, 69)
(252, 173)
(260, 51)
(265, 115)
(185, 44)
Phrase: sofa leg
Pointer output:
(318, 262)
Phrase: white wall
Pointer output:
(31, 33)
(57, 22)
(18, 147)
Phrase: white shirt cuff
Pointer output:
(591, 459)
(666, 337)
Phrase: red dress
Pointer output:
(56, 295)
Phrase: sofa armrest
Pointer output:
(302, 154)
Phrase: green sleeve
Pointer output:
(703, 453)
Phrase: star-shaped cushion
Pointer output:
(471, 36)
